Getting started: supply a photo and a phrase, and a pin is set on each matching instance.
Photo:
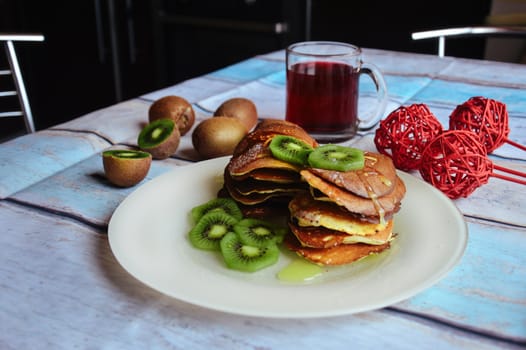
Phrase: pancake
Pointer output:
(257, 156)
(377, 178)
(322, 237)
(338, 255)
(368, 207)
(310, 212)
(281, 176)
(254, 197)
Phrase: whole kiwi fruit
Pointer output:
(241, 108)
(176, 108)
(125, 168)
(217, 136)
(160, 138)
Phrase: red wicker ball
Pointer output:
(456, 163)
(404, 134)
(486, 117)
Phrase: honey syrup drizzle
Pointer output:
(363, 175)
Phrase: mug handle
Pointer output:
(381, 93)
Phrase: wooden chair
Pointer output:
(463, 32)
(13, 70)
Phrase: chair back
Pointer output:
(12, 70)
(463, 32)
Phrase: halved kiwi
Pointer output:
(126, 167)
(210, 229)
(259, 233)
(223, 205)
(244, 257)
(160, 138)
(336, 157)
(290, 149)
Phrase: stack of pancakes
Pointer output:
(335, 217)
(260, 183)
(346, 216)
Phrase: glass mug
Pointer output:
(322, 89)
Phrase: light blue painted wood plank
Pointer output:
(251, 69)
(454, 93)
(83, 191)
(31, 158)
(487, 290)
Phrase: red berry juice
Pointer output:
(323, 96)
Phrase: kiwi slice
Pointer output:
(259, 233)
(160, 138)
(244, 257)
(290, 149)
(336, 157)
(210, 229)
(223, 205)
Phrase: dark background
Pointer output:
(99, 52)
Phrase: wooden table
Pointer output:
(62, 288)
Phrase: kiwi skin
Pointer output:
(176, 108)
(217, 136)
(241, 108)
(165, 147)
(126, 168)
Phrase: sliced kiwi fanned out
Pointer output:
(160, 138)
(290, 149)
(336, 157)
(258, 232)
(210, 229)
(244, 257)
(223, 205)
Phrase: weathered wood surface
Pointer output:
(61, 287)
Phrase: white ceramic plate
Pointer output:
(148, 236)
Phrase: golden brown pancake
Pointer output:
(257, 156)
(310, 212)
(375, 207)
(377, 178)
(338, 255)
(322, 237)
(282, 176)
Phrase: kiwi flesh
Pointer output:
(336, 157)
(223, 205)
(259, 233)
(124, 167)
(290, 149)
(160, 138)
(244, 257)
(210, 229)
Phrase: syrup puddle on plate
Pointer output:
(299, 270)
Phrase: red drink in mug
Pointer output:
(322, 89)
